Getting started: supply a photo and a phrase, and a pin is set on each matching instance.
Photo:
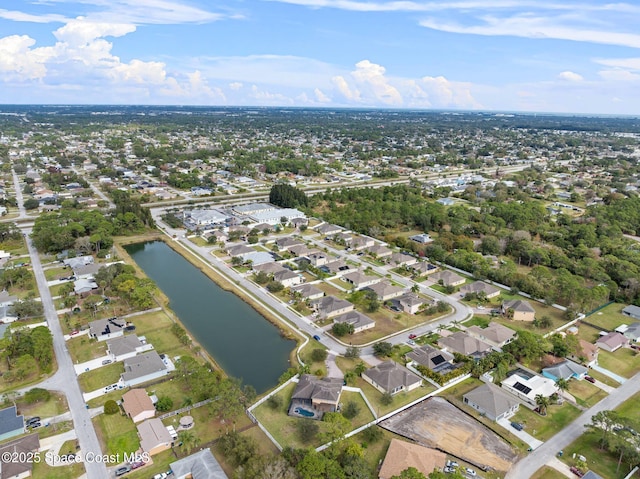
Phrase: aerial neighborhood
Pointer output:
(262, 294)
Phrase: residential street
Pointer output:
(545, 453)
(65, 380)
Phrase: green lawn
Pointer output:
(456, 392)
(57, 404)
(599, 461)
(43, 471)
(101, 377)
(609, 317)
(544, 427)
(84, 348)
(625, 361)
(586, 394)
(364, 415)
(630, 409)
(547, 472)
(117, 434)
(207, 428)
(604, 379)
(480, 321)
(374, 396)
(55, 273)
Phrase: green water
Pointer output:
(241, 340)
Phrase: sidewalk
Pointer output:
(606, 372)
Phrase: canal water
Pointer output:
(240, 339)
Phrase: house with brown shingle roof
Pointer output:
(138, 405)
(461, 342)
(480, 287)
(359, 321)
(385, 290)
(359, 280)
(522, 310)
(330, 306)
(402, 455)
(448, 278)
(318, 394)
(495, 334)
(612, 341)
(19, 451)
(390, 377)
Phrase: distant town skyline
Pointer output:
(561, 56)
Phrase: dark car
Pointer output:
(32, 420)
(590, 379)
(517, 426)
(137, 464)
(122, 470)
(316, 337)
(576, 471)
(412, 336)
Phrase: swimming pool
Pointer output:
(304, 412)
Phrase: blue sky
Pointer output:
(569, 56)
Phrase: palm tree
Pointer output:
(542, 403)
(562, 384)
(360, 368)
(188, 440)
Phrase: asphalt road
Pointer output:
(65, 380)
(545, 453)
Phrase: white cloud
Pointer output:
(570, 76)
(269, 98)
(345, 90)
(628, 63)
(82, 31)
(236, 85)
(370, 76)
(17, 16)
(18, 61)
(320, 96)
(618, 75)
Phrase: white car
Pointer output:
(470, 472)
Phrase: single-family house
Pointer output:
(287, 278)
(300, 250)
(330, 306)
(287, 242)
(315, 395)
(566, 369)
(632, 311)
(299, 222)
(409, 303)
(385, 290)
(379, 251)
(154, 436)
(239, 250)
(269, 268)
(337, 267)
(361, 242)
(318, 259)
(612, 341)
(422, 268)
(401, 259)
(480, 288)
(586, 353)
(276, 216)
(462, 343)
(200, 465)
(142, 368)
(527, 386)
(448, 278)
(262, 227)
(432, 358)
(591, 475)
(390, 377)
(359, 280)
(492, 402)
(78, 261)
(520, 309)
(107, 328)
(632, 332)
(342, 238)
(87, 271)
(11, 424)
(125, 347)
(402, 455)
(327, 229)
(84, 286)
(495, 334)
(359, 321)
(137, 404)
(15, 457)
(308, 292)
(220, 236)
(423, 238)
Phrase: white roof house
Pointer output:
(527, 388)
(273, 217)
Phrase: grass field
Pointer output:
(43, 471)
(586, 394)
(610, 317)
(547, 472)
(630, 409)
(84, 348)
(57, 404)
(101, 377)
(117, 434)
(599, 461)
(625, 361)
(544, 427)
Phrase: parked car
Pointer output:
(412, 336)
(576, 471)
(136, 465)
(106, 361)
(162, 475)
(517, 426)
(122, 470)
(32, 420)
(449, 470)
(590, 379)
(316, 337)
(74, 332)
(35, 425)
(452, 464)
(470, 472)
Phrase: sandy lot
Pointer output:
(438, 424)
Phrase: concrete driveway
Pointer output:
(523, 435)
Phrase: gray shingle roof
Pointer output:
(390, 376)
(9, 420)
(311, 387)
(491, 399)
(201, 465)
(142, 365)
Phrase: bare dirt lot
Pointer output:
(438, 424)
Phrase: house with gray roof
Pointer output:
(461, 342)
(401, 259)
(423, 267)
(11, 424)
(492, 402)
(480, 287)
(337, 267)
(632, 311)
(287, 242)
(612, 341)
(201, 465)
(390, 377)
(359, 321)
(361, 242)
(106, 328)
(565, 370)
(385, 290)
(87, 271)
(328, 229)
(448, 278)
(432, 358)
(315, 395)
(144, 367)
(287, 278)
(522, 310)
(632, 332)
(359, 280)
(330, 306)
(154, 436)
(269, 268)
(84, 286)
(495, 334)
(78, 261)
(308, 291)
(409, 303)
(125, 347)
(20, 449)
(300, 250)
(379, 251)
(240, 250)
